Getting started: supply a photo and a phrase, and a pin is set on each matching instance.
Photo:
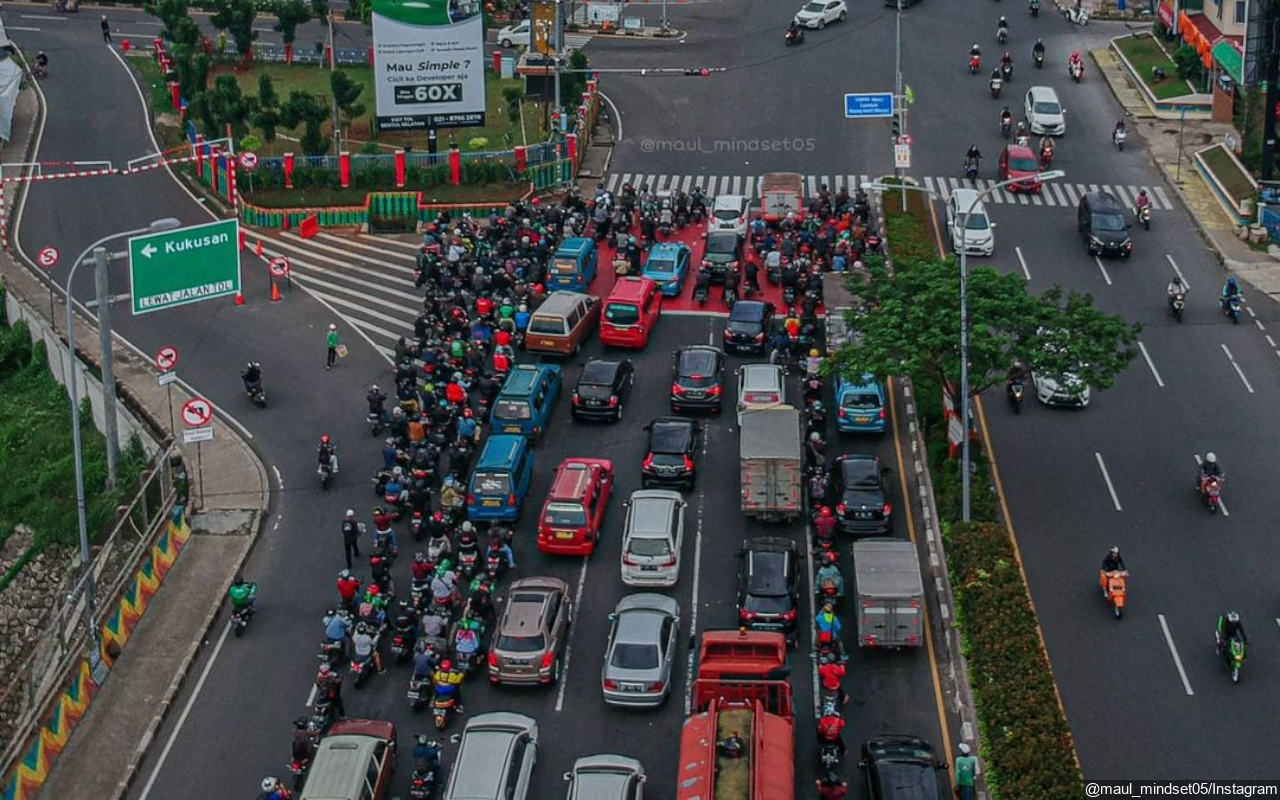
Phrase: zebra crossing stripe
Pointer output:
(1160, 195)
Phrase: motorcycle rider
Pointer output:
(824, 524)
(302, 748)
(1230, 627)
(405, 623)
(1141, 202)
(973, 155)
(336, 626)
(1046, 150)
(329, 686)
(1018, 373)
(1175, 288)
(327, 453)
(1229, 290)
(252, 377)
(1020, 134)
(446, 675)
(832, 787)
(828, 622)
(829, 573)
(1006, 120)
(815, 450)
(426, 758)
(444, 586)
(1113, 562)
(499, 545)
(1006, 63)
(272, 789)
(794, 34)
(1117, 130)
(702, 282)
(830, 727)
(348, 588)
(1209, 468)
(831, 672)
(996, 80)
(380, 574)
(730, 289)
(364, 646)
(382, 529)
(1002, 25)
(975, 51)
(813, 364)
(1037, 50)
(377, 402)
(241, 594)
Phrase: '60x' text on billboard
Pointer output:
(429, 63)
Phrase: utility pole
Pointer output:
(559, 45)
(666, 24)
(899, 101)
(333, 61)
(1271, 75)
(100, 261)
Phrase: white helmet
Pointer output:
(1210, 458)
(332, 327)
(467, 526)
(270, 784)
(351, 512)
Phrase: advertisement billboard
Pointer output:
(428, 64)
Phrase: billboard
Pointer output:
(542, 26)
(428, 64)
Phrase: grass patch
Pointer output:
(1144, 53)
(1228, 172)
(907, 227)
(465, 193)
(35, 443)
(501, 132)
(166, 124)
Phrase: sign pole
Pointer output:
(897, 91)
(200, 475)
(173, 426)
(111, 424)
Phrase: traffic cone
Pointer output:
(239, 299)
(257, 249)
(275, 291)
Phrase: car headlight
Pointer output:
(1095, 241)
(1127, 243)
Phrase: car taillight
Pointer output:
(760, 336)
(881, 414)
(648, 461)
(471, 499)
(688, 463)
(886, 509)
(671, 560)
(706, 263)
(726, 334)
(745, 615)
(657, 686)
(840, 509)
(610, 685)
(576, 399)
(869, 640)
(511, 499)
(493, 659)
(841, 413)
(613, 400)
(789, 616)
(627, 559)
(547, 658)
(714, 391)
(677, 389)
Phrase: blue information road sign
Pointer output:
(868, 105)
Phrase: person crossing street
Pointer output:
(331, 343)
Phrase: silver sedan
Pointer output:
(642, 648)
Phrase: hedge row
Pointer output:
(383, 178)
(1026, 744)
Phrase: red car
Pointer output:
(570, 521)
(1017, 161)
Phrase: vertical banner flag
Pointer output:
(428, 63)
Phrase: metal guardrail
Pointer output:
(32, 683)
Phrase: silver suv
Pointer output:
(496, 755)
(529, 643)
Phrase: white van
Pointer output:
(1045, 115)
(978, 239)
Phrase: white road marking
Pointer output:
(279, 479)
(186, 711)
(1261, 327)
(691, 656)
(1103, 269)
(1239, 371)
(1177, 271)
(1115, 500)
(1173, 650)
(1151, 364)
(1271, 341)
(1023, 262)
(1251, 312)
(16, 28)
(40, 16)
(568, 647)
(311, 696)
(1221, 506)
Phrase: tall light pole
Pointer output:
(898, 99)
(559, 45)
(965, 458)
(101, 259)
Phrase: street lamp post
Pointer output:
(101, 259)
(965, 459)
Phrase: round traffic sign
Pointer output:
(249, 160)
(197, 412)
(905, 139)
(279, 266)
(166, 358)
(47, 257)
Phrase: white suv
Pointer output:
(652, 538)
(759, 387)
(978, 239)
(1045, 115)
(729, 213)
(496, 755)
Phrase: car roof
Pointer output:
(671, 434)
(340, 761)
(599, 370)
(666, 250)
(699, 354)
(855, 465)
(631, 287)
(500, 450)
(963, 196)
(522, 378)
(728, 240)
(651, 511)
(748, 310)
(638, 626)
(539, 583)
(1103, 200)
(1043, 93)
(769, 569)
(574, 244)
(867, 381)
(761, 375)
(648, 601)
(572, 478)
(729, 201)
(1019, 151)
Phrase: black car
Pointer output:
(669, 460)
(748, 328)
(1100, 218)
(858, 493)
(903, 768)
(724, 251)
(767, 599)
(695, 379)
(602, 389)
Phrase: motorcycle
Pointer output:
(1113, 589)
(1117, 137)
(1231, 306)
(240, 616)
(1006, 127)
(362, 668)
(256, 394)
(325, 471)
(323, 714)
(1077, 15)
(729, 296)
(298, 768)
(1210, 488)
(468, 560)
(1232, 653)
(1076, 70)
(1034, 8)
(701, 294)
(332, 652)
(419, 691)
(975, 62)
(773, 272)
(1038, 57)
(1006, 71)
(494, 564)
(788, 294)
(1176, 304)
(422, 783)
(436, 548)
(400, 646)
(827, 594)
(1002, 35)
(795, 36)
(1016, 391)
(416, 526)
(1143, 213)
(443, 703)
(995, 84)
(374, 420)
(971, 169)
(418, 594)
(1046, 157)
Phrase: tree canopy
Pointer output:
(910, 324)
(236, 18)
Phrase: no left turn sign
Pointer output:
(166, 358)
(249, 160)
(197, 412)
(47, 257)
(279, 266)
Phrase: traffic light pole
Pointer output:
(898, 99)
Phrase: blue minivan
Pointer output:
(500, 479)
(523, 405)
(860, 405)
(667, 266)
(574, 265)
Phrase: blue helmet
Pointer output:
(1231, 281)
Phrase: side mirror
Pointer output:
(626, 504)
(613, 617)
(568, 776)
(992, 224)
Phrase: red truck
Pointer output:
(738, 742)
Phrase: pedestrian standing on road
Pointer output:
(106, 30)
(966, 767)
(331, 341)
(351, 536)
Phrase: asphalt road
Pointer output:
(256, 686)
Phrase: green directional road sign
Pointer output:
(183, 266)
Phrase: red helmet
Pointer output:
(533, 201)
(324, 439)
(824, 637)
(825, 511)
(467, 412)
(446, 665)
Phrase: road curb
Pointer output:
(175, 686)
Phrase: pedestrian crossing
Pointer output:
(576, 41)
(1054, 193)
(366, 281)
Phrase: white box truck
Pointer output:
(771, 463)
(889, 597)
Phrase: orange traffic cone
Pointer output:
(275, 291)
(257, 249)
(239, 299)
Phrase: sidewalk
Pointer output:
(107, 745)
(1162, 138)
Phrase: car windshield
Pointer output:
(1023, 164)
(648, 546)
(564, 515)
(1112, 223)
(491, 483)
(622, 313)
(545, 324)
(511, 409)
(977, 222)
(814, 8)
(727, 215)
(1046, 107)
(860, 473)
(660, 265)
(634, 656)
(861, 402)
(522, 644)
(767, 604)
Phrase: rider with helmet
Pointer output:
(1113, 562)
(829, 574)
(1209, 468)
(1230, 627)
(327, 453)
(272, 789)
(1229, 290)
(252, 376)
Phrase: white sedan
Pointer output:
(515, 35)
(817, 13)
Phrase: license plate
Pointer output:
(863, 515)
(491, 503)
(862, 419)
(511, 429)
(547, 342)
(564, 534)
(518, 662)
(595, 402)
(648, 568)
(632, 687)
(695, 393)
